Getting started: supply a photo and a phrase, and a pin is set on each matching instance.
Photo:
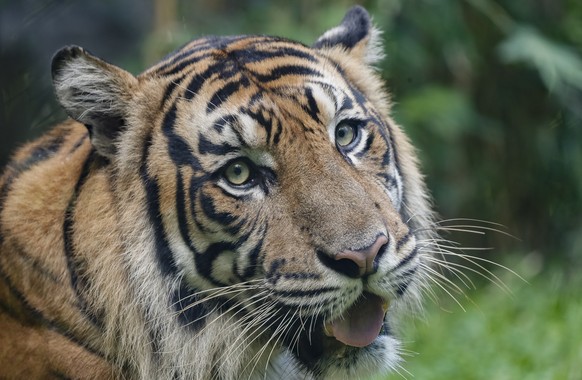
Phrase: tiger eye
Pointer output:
(238, 173)
(345, 134)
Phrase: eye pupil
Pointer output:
(345, 134)
(238, 173)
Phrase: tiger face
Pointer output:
(270, 210)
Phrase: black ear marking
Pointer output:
(62, 56)
(355, 27)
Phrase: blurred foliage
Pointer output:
(490, 91)
(531, 333)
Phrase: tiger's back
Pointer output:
(222, 215)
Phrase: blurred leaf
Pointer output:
(444, 111)
(557, 65)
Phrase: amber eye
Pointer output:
(238, 173)
(345, 134)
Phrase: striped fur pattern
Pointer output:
(187, 222)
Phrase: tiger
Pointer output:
(246, 208)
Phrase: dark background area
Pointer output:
(489, 91)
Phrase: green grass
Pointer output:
(533, 333)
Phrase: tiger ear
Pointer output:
(356, 36)
(94, 93)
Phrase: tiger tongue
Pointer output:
(362, 322)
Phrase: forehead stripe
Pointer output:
(285, 70)
(222, 94)
(178, 149)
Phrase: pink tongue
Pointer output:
(361, 324)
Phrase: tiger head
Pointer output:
(272, 211)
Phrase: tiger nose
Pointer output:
(359, 263)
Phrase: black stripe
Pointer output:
(303, 293)
(38, 154)
(195, 185)
(403, 286)
(163, 253)
(79, 143)
(79, 279)
(386, 159)
(205, 146)
(273, 274)
(347, 104)
(222, 94)
(178, 149)
(247, 56)
(33, 262)
(311, 108)
(407, 259)
(184, 63)
(259, 117)
(301, 276)
(357, 94)
(403, 213)
(369, 142)
(59, 375)
(205, 260)
(404, 240)
(225, 219)
(39, 316)
(168, 92)
(181, 211)
(195, 85)
(253, 258)
(286, 70)
(190, 312)
(389, 179)
(181, 59)
(223, 121)
(224, 69)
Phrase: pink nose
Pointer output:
(362, 258)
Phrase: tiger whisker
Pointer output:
(257, 356)
(261, 296)
(469, 220)
(440, 277)
(459, 274)
(258, 317)
(265, 324)
(486, 273)
(491, 262)
(218, 294)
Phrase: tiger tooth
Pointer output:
(385, 305)
(327, 329)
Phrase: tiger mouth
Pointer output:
(356, 328)
(361, 324)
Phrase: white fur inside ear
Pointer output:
(86, 90)
(375, 48)
(333, 34)
(95, 93)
